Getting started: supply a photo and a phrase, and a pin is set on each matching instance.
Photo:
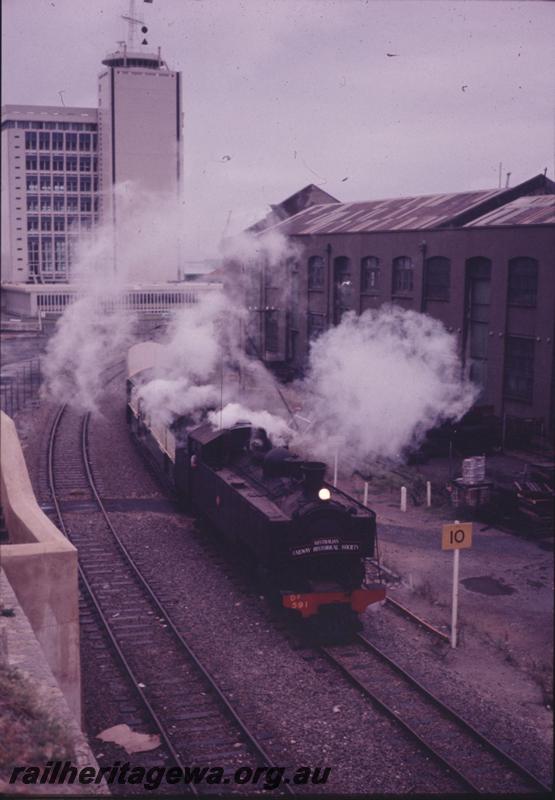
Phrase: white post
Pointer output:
(403, 498)
(335, 460)
(454, 608)
(428, 494)
(365, 498)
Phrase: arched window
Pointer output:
(369, 274)
(403, 275)
(437, 278)
(316, 272)
(523, 281)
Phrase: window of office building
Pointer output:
(519, 368)
(71, 183)
(84, 141)
(58, 163)
(58, 203)
(59, 224)
(45, 203)
(437, 278)
(44, 162)
(57, 141)
(46, 224)
(71, 141)
(86, 203)
(71, 163)
(85, 184)
(44, 140)
(59, 254)
(30, 140)
(58, 183)
(316, 272)
(31, 162)
(369, 274)
(403, 275)
(523, 281)
(72, 203)
(32, 223)
(38, 126)
(33, 253)
(45, 183)
(31, 183)
(85, 163)
(46, 253)
(32, 202)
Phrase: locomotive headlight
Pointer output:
(324, 494)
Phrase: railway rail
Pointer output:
(475, 762)
(196, 721)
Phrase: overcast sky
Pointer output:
(282, 93)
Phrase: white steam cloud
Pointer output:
(378, 382)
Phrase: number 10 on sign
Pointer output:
(455, 537)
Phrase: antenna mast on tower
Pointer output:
(132, 21)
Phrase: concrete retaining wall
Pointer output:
(41, 565)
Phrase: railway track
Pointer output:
(475, 762)
(197, 723)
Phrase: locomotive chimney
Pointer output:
(313, 473)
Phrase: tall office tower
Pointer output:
(139, 126)
(49, 185)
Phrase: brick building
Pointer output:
(481, 262)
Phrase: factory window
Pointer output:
(58, 163)
(59, 254)
(32, 223)
(519, 368)
(316, 272)
(32, 202)
(316, 325)
(45, 224)
(85, 184)
(33, 253)
(71, 183)
(71, 163)
(369, 274)
(84, 141)
(44, 162)
(71, 141)
(46, 253)
(58, 202)
(31, 140)
(523, 281)
(45, 183)
(59, 224)
(57, 141)
(31, 162)
(85, 164)
(271, 331)
(437, 278)
(32, 185)
(44, 141)
(403, 275)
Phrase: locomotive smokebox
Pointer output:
(313, 473)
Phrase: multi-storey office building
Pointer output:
(481, 262)
(49, 188)
(60, 165)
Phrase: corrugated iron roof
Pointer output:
(537, 210)
(404, 213)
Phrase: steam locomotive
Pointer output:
(307, 538)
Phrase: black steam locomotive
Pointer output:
(308, 539)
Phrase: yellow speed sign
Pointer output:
(456, 536)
